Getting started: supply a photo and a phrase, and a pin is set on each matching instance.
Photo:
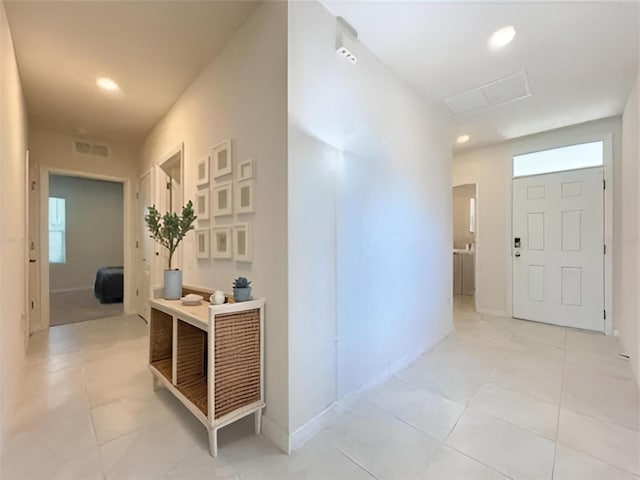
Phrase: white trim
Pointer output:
(77, 289)
(127, 216)
(274, 432)
(307, 431)
(608, 232)
(608, 161)
(304, 433)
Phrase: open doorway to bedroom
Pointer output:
(86, 258)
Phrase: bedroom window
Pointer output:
(57, 230)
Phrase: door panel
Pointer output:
(558, 267)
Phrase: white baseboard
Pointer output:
(276, 434)
(307, 431)
(77, 289)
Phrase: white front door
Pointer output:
(558, 248)
(145, 248)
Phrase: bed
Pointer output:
(108, 285)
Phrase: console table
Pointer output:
(211, 357)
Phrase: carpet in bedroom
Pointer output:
(78, 306)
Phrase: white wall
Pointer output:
(490, 167)
(626, 258)
(370, 229)
(13, 212)
(52, 152)
(242, 95)
(94, 229)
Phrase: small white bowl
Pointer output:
(192, 299)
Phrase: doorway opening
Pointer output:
(162, 185)
(85, 249)
(464, 245)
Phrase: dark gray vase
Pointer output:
(242, 294)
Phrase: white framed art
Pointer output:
(202, 172)
(202, 243)
(242, 248)
(221, 243)
(223, 199)
(244, 196)
(202, 204)
(245, 170)
(222, 159)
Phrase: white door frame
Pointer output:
(44, 233)
(158, 194)
(607, 149)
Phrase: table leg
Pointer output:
(258, 421)
(213, 442)
(156, 382)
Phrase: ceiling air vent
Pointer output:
(84, 147)
(493, 94)
(100, 151)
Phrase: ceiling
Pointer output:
(580, 59)
(153, 50)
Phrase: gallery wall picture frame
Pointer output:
(202, 204)
(245, 193)
(222, 159)
(221, 242)
(223, 199)
(245, 170)
(202, 243)
(242, 245)
(202, 172)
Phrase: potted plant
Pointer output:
(241, 289)
(169, 230)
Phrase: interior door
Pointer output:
(558, 248)
(145, 248)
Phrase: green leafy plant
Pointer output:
(169, 229)
(241, 282)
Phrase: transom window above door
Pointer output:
(571, 157)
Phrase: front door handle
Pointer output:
(32, 260)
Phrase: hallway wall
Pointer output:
(242, 95)
(627, 266)
(370, 229)
(13, 214)
(491, 168)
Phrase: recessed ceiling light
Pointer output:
(462, 139)
(107, 84)
(502, 37)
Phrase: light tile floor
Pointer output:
(498, 399)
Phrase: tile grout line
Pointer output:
(355, 462)
(477, 461)
(86, 395)
(555, 443)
